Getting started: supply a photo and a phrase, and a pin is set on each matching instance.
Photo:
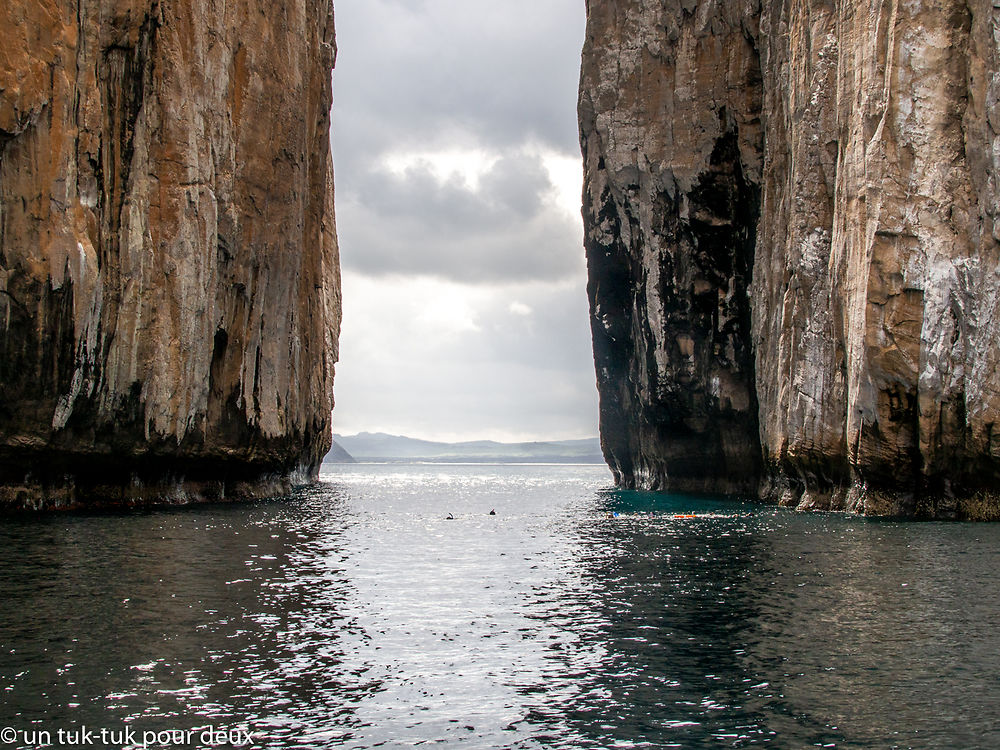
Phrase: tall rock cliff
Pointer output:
(792, 216)
(169, 277)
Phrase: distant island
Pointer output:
(378, 446)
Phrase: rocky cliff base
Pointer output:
(35, 480)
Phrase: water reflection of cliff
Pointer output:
(741, 626)
(675, 605)
(220, 614)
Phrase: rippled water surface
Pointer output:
(355, 614)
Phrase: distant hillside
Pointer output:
(338, 455)
(378, 446)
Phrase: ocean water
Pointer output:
(356, 614)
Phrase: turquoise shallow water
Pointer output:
(354, 614)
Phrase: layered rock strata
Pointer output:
(792, 216)
(169, 280)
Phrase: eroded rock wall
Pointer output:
(864, 177)
(169, 275)
(669, 113)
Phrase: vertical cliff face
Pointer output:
(169, 280)
(820, 323)
(669, 113)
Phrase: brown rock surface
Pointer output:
(792, 227)
(169, 278)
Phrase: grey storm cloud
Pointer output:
(505, 71)
(412, 223)
(446, 74)
(512, 189)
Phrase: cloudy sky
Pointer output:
(458, 210)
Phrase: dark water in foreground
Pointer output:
(355, 615)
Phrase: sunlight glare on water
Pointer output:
(357, 614)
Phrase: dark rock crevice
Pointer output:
(610, 274)
(676, 423)
(126, 73)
